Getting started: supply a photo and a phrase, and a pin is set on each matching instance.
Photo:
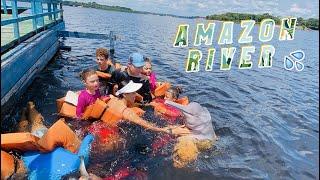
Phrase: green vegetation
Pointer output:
(310, 23)
(118, 8)
(237, 17)
(96, 6)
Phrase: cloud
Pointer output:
(236, 2)
(202, 5)
(295, 8)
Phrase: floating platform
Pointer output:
(20, 64)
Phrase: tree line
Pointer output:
(118, 8)
(310, 23)
(97, 6)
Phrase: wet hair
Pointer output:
(175, 91)
(86, 73)
(102, 52)
(147, 59)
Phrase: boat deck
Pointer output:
(25, 27)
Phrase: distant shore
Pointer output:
(302, 24)
(277, 25)
(120, 9)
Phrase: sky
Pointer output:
(298, 8)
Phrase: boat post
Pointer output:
(112, 38)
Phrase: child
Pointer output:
(105, 65)
(173, 93)
(169, 113)
(147, 70)
(89, 95)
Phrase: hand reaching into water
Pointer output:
(178, 130)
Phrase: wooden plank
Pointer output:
(34, 13)
(15, 16)
(27, 37)
(49, 10)
(18, 65)
(43, 1)
(54, 10)
(14, 20)
(82, 35)
(18, 89)
(39, 10)
(4, 4)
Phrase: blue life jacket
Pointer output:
(57, 163)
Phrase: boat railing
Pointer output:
(29, 17)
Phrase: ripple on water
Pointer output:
(266, 118)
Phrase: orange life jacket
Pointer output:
(109, 111)
(7, 165)
(66, 109)
(19, 141)
(103, 75)
(161, 90)
(59, 134)
(183, 100)
(114, 111)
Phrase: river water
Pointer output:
(267, 119)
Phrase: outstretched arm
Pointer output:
(129, 115)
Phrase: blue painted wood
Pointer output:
(14, 20)
(14, 69)
(61, 14)
(33, 12)
(17, 90)
(43, 1)
(4, 4)
(82, 35)
(39, 10)
(53, 26)
(15, 50)
(15, 15)
(49, 10)
(29, 39)
(32, 56)
(54, 10)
